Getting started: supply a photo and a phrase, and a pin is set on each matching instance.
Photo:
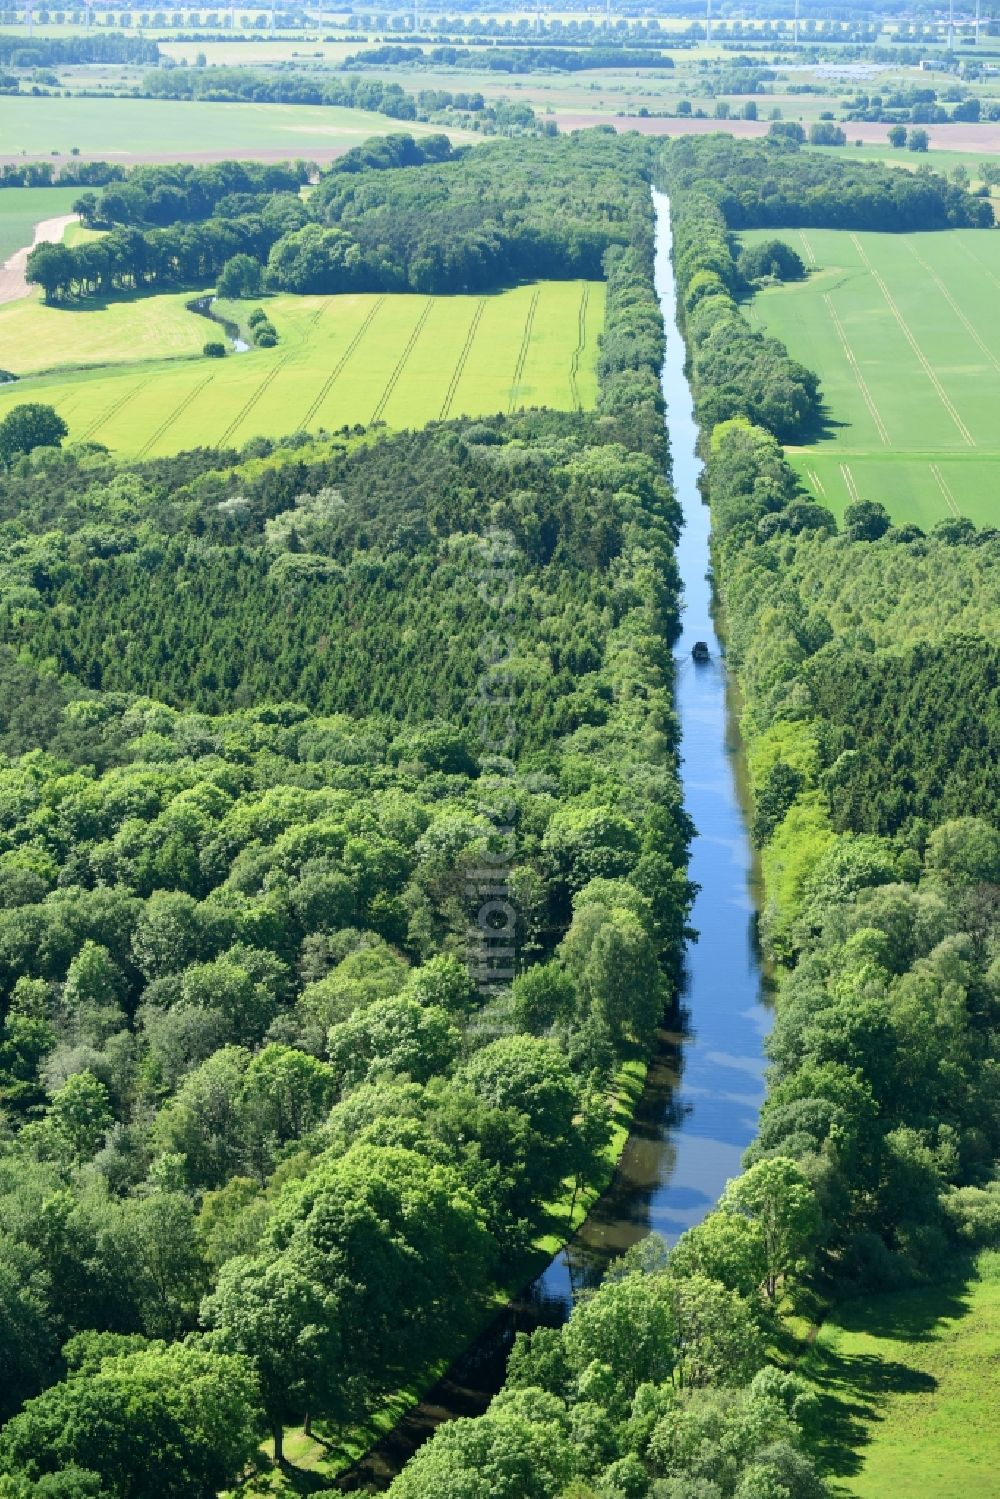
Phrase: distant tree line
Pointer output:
(70, 174)
(95, 47)
(917, 106)
(527, 59)
(380, 152)
(130, 259)
(229, 85)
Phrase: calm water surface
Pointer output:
(705, 1086)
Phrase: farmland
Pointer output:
(904, 331)
(120, 128)
(340, 360)
(21, 208)
(34, 337)
(905, 1379)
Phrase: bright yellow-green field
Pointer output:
(404, 360)
(34, 337)
(904, 333)
(908, 1387)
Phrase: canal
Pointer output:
(699, 1108)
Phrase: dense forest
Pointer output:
(279, 729)
(553, 210)
(395, 229)
(774, 183)
(342, 870)
(868, 665)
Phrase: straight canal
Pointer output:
(699, 1108)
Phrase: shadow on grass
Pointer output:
(102, 301)
(853, 1389)
(298, 1480)
(823, 428)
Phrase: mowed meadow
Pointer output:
(905, 1398)
(904, 332)
(340, 360)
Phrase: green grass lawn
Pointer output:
(907, 1385)
(21, 208)
(904, 332)
(115, 128)
(404, 360)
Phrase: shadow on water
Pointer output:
(699, 1108)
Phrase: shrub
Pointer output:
(264, 334)
(771, 257)
(214, 349)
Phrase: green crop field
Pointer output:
(120, 128)
(907, 1385)
(404, 360)
(34, 337)
(21, 208)
(904, 332)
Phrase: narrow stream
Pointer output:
(699, 1108)
(203, 306)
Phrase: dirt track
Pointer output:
(12, 283)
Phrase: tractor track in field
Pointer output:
(942, 288)
(523, 352)
(335, 373)
(462, 360)
(178, 410)
(855, 368)
(113, 410)
(401, 362)
(581, 344)
(252, 400)
(851, 486)
(810, 252)
(946, 493)
(816, 482)
(922, 359)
